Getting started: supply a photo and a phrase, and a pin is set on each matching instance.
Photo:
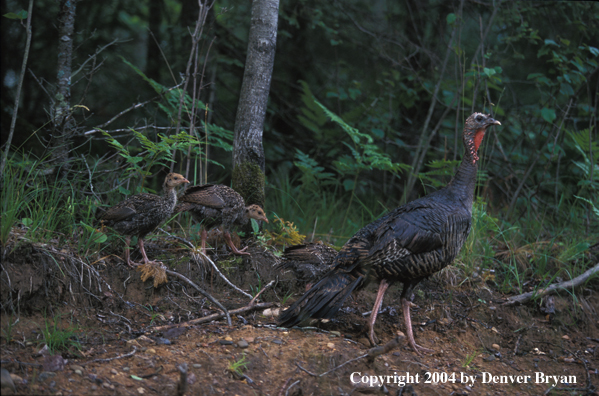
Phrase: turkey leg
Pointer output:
(232, 246)
(140, 243)
(377, 305)
(130, 263)
(405, 304)
(204, 236)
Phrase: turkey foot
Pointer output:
(405, 304)
(241, 252)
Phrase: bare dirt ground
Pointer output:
(125, 337)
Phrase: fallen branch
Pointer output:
(525, 297)
(205, 257)
(205, 293)
(215, 316)
(110, 359)
(272, 282)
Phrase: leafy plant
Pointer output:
(255, 290)
(285, 233)
(238, 366)
(58, 339)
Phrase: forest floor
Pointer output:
(113, 334)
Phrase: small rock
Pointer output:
(141, 390)
(489, 358)
(277, 341)
(76, 367)
(126, 369)
(145, 340)
(162, 341)
(331, 345)
(250, 340)
(492, 308)
(228, 338)
(151, 351)
(16, 378)
(566, 337)
(6, 381)
(242, 344)
(495, 346)
(271, 312)
(45, 375)
(54, 363)
(336, 333)
(226, 342)
(79, 372)
(196, 365)
(113, 371)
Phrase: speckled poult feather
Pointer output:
(214, 205)
(141, 214)
(308, 262)
(406, 245)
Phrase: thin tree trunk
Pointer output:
(62, 120)
(18, 94)
(248, 153)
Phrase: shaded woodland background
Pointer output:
(404, 74)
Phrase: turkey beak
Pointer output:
(184, 180)
(493, 121)
(266, 219)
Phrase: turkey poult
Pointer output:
(406, 245)
(213, 205)
(308, 262)
(141, 214)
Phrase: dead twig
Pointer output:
(212, 317)
(303, 369)
(204, 257)
(525, 297)
(272, 282)
(204, 292)
(111, 359)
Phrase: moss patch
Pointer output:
(248, 180)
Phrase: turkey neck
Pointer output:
(463, 183)
(170, 195)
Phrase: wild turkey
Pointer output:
(141, 214)
(406, 245)
(213, 205)
(308, 262)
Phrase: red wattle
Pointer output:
(478, 138)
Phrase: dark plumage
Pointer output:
(308, 262)
(406, 245)
(141, 214)
(214, 205)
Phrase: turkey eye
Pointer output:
(479, 118)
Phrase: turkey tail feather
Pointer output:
(323, 300)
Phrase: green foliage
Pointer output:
(154, 153)
(238, 366)
(16, 197)
(478, 252)
(60, 339)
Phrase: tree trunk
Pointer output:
(62, 121)
(248, 153)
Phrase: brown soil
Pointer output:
(115, 349)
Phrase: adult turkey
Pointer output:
(406, 245)
(141, 214)
(214, 205)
